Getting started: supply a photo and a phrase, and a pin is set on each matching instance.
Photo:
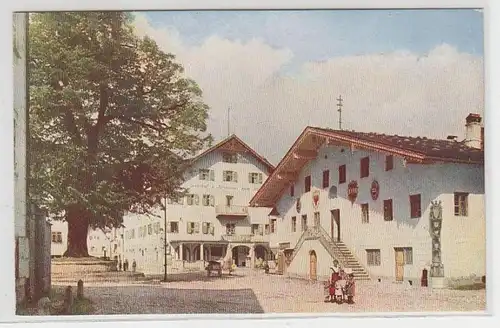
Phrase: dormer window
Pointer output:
(229, 158)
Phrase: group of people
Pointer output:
(341, 286)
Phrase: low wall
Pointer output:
(66, 266)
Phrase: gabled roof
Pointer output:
(234, 144)
(416, 150)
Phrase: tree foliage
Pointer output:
(112, 119)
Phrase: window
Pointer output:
(326, 178)
(461, 204)
(304, 223)
(255, 229)
(365, 213)
(193, 227)
(415, 206)
(373, 257)
(389, 162)
(255, 178)
(388, 210)
(230, 158)
(273, 225)
(192, 199)
(266, 229)
(230, 228)
(150, 229)
(365, 167)
(294, 224)
(230, 176)
(207, 228)
(342, 174)
(57, 237)
(317, 219)
(307, 183)
(206, 174)
(174, 227)
(292, 190)
(229, 200)
(408, 255)
(208, 200)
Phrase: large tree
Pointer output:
(112, 120)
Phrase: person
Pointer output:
(350, 288)
(125, 265)
(134, 265)
(334, 278)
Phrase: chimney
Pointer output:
(473, 131)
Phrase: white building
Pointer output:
(365, 199)
(213, 221)
(99, 242)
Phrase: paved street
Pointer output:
(254, 292)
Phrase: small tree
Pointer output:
(111, 121)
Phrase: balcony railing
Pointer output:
(231, 210)
(237, 238)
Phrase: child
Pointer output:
(350, 288)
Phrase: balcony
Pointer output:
(231, 211)
(237, 238)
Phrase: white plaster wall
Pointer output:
(433, 182)
(20, 98)
(301, 262)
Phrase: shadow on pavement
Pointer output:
(191, 276)
(158, 300)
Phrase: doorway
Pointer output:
(313, 265)
(335, 225)
(400, 263)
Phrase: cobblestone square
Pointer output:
(249, 291)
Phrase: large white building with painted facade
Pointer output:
(212, 222)
(366, 198)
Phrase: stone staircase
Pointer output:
(337, 250)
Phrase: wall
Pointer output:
(433, 182)
(20, 206)
(300, 264)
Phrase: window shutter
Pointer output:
(169, 227)
(197, 199)
(197, 227)
(200, 175)
(189, 231)
(261, 229)
(212, 230)
(204, 228)
(212, 175)
(211, 200)
(235, 176)
(260, 177)
(250, 177)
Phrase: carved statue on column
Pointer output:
(436, 222)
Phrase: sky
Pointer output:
(405, 72)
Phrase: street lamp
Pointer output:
(165, 240)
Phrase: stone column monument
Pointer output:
(436, 222)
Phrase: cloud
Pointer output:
(396, 93)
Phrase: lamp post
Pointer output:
(165, 241)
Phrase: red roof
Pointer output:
(237, 146)
(418, 150)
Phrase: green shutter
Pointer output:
(260, 177)
(212, 175)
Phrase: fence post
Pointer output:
(79, 290)
(68, 300)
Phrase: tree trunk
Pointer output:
(78, 226)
